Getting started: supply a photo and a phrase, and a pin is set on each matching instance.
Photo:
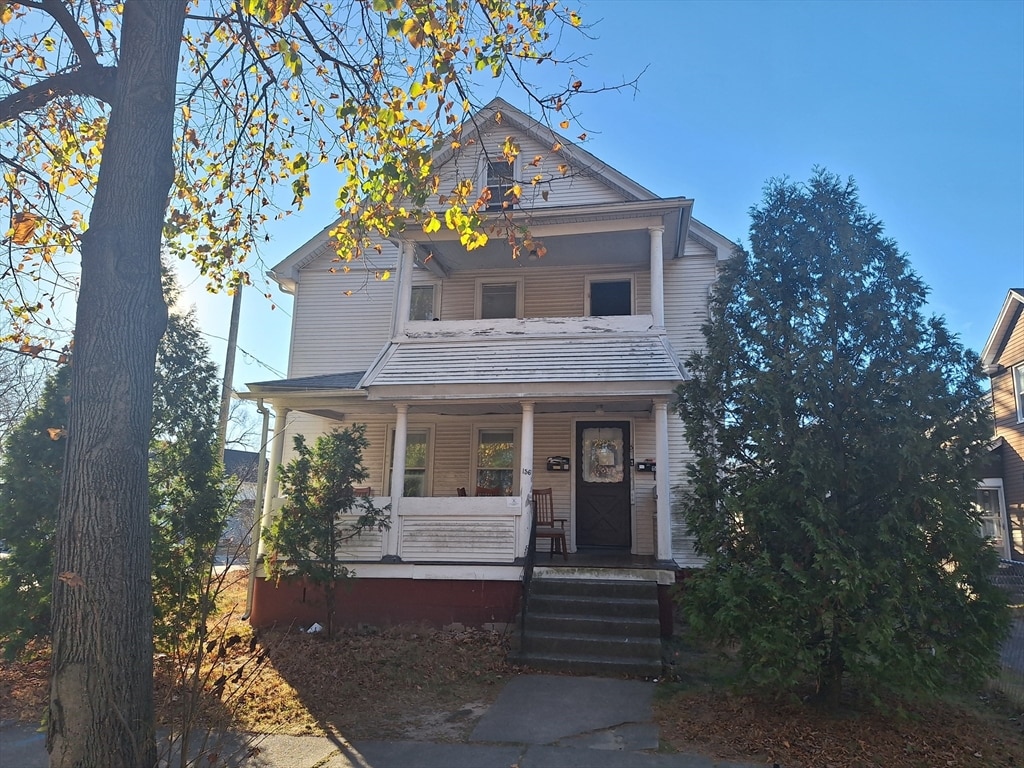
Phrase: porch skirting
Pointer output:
(387, 601)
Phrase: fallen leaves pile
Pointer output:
(983, 733)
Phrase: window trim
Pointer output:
(479, 299)
(996, 484)
(611, 278)
(475, 451)
(389, 465)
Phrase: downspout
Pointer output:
(257, 526)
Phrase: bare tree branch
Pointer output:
(94, 80)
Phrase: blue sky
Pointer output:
(921, 102)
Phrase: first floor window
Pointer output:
(416, 450)
(495, 460)
(990, 511)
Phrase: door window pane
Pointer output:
(603, 455)
(495, 460)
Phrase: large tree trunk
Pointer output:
(101, 693)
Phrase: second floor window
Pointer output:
(611, 297)
(422, 305)
(498, 300)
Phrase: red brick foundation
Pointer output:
(383, 602)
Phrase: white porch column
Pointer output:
(663, 549)
(403, 290)
(273, 481)
(657, 276)
(397, 477)
(526, 475)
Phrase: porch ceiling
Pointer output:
(599, 235)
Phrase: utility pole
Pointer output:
(229, 370)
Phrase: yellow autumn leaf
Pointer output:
(564, 124)
(386, 275)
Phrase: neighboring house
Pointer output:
(1001, 491)
(473, 370)
(241, 470)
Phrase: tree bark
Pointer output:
(101, 692)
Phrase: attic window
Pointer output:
(500, 178)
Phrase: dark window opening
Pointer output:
(500, 178)
(614, 297)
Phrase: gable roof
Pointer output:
(486, 121)
(1002, 329)
(285, 272)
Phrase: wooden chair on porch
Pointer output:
(483, 490)
(367, 491)
(548, 526)
(461, 491)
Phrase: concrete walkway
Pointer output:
(538, 721)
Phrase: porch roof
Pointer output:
(495, 367)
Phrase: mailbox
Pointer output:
(558, 463)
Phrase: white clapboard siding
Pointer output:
(453, 456)
(645, 504)
(458, 539)
(368, 545)
(687, 283)
(337, 333)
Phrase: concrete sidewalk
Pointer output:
(538, 721)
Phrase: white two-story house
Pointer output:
(478, 373)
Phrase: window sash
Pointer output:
(495, 459)
(417, 453)
(498, 300)
(421, 306)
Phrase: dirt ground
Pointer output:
(422, 683)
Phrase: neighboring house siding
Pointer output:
(332, 332)
(1012, 432)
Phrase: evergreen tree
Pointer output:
(836, 431)
(321, 512)
(188, 495)
(188, 500)
(33, 459)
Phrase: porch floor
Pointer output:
(603, 558)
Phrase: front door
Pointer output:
(603, 484)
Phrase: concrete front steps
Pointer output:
(592, 626)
